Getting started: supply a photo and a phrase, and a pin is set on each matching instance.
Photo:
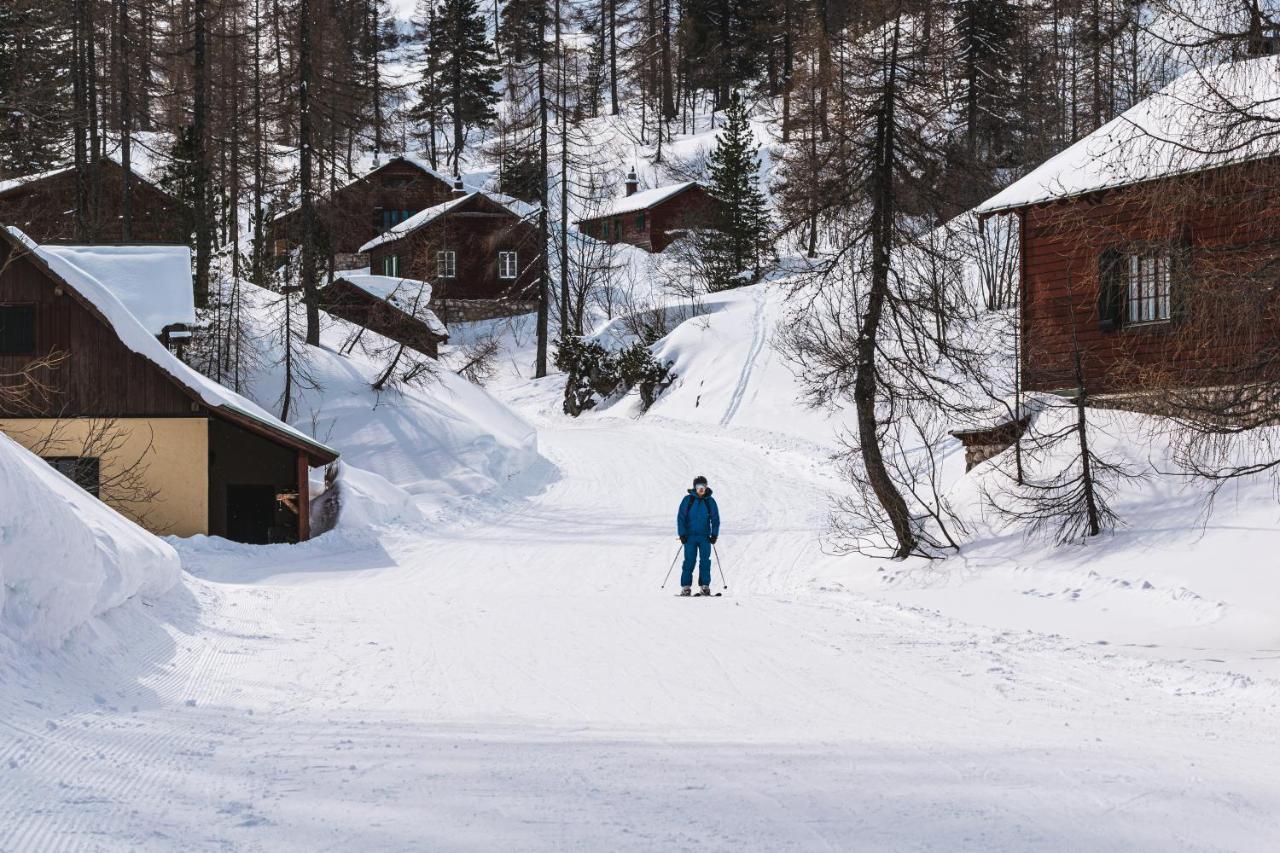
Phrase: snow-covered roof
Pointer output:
(417, 162)
(425, 217)
(14, 183)
(409, 295)
(135, 336)
(640, 201)
(1205, 119)
(153, 282)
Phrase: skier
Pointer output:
(698, 526)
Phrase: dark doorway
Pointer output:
(251, 513)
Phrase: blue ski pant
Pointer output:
(697, 546)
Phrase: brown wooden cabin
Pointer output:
(390, 312)
(652, 219)
(478, 246)
(1151, 255)
(43, 207)
(133, 424)
(364, 208)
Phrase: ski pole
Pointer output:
(673, 567)
(720, 566)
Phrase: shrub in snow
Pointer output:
(593, 374)
(65, 556)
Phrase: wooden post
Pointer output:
(304, 498)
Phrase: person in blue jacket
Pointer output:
(698, 526)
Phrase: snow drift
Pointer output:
(65, 556)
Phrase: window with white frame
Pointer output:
(507, 265)
(391, 265)
(447, 264)
(1147, 277)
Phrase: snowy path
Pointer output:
(514, 679)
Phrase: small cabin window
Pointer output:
(447, 264)
(618, 228)
(640, 221)
(507, 265)
(391, 265)
(81, 470)
(1147, 291)
(604, 229)
(17, 329)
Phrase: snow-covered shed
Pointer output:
(650, 219)
(43, 206)
(1130, 237)
(394, 307)
(109, 405)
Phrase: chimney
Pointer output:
(633, 183)
(458, 189)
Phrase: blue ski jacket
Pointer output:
(698, 516)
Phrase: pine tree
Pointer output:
(739, 239)
(34, 87)
(466, 70)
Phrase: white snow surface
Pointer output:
(152, 281)
(1204, 119)
(65, 557)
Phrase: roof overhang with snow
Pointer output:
(408, 159)
(408, 296)
(640, 201)
(101, 301)
(153, 281)
(423, 218)
(1204, 120)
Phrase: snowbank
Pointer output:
(66, 557)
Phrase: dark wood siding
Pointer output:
(44, 210)
(349, 219)
(238, 457)
(100, 375)
(1230, 233)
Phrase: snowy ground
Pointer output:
(512, 677)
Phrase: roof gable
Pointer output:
(644, 200)
(103, 303)
(471, 201)
(1204, 120)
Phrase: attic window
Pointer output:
(640, 221)
(84, 471)
(396, 182)
(17, 329)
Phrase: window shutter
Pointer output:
(1110, 290)
(1180, 284)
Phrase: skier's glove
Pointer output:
(684, 540)
(713, 539)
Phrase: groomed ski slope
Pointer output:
(511, 677)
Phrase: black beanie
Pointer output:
(699, 480)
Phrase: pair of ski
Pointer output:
(701, 595)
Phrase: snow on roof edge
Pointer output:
(133, 335)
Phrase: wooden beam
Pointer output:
(304, 498)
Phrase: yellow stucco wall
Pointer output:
(168, 456)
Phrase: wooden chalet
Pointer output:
(395, 308)
(1148, 248)
(114, 409)
(358, 211)
(43, 207)
(652, 219)
(477, 248)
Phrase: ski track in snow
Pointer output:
(759, 334)
(515, 679)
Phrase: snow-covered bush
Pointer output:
(593, 373)
(65, 556)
